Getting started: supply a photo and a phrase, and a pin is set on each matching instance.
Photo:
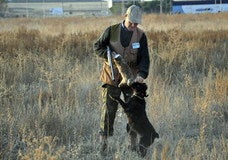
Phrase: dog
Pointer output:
(138, 122)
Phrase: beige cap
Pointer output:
(134, 14)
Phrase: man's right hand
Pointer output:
(116, 55)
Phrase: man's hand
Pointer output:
(139, 79)
(116, 56)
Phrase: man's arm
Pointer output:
(143, 59)
(100, 46)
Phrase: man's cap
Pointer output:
(134, 14)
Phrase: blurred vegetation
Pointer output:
(147, 7)
(3, 7)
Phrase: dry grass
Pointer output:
(49, 89)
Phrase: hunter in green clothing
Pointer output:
(130, 42)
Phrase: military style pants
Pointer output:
(110, 106)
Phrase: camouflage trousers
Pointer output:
(110, 107)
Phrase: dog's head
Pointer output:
(139, 89)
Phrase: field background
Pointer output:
(50, 91)
(69, 8)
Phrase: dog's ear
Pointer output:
(144, 86)
(144, 89)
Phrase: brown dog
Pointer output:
(138, 122)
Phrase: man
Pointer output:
(130, 42)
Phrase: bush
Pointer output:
(147, 7)
(3, 7)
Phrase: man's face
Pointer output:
(130, 26)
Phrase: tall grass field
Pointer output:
(50, 93)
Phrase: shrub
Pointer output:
(3, 7)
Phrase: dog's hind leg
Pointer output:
(144, 143)
(133, 138)
(142, 150)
